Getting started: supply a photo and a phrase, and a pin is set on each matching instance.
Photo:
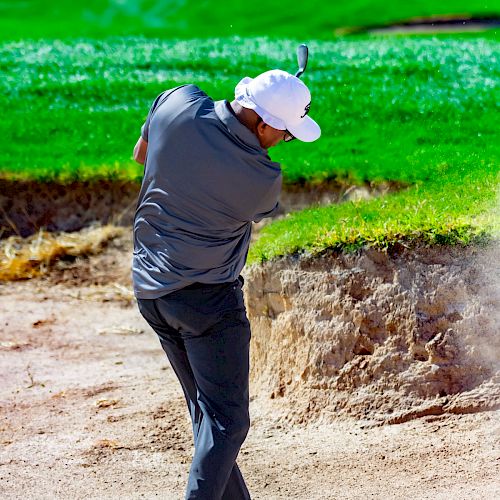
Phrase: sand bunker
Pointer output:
(382, 336)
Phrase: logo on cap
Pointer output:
(306, 109)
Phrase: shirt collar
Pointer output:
(235, 126)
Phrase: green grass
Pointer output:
(459, 208)
(316, 19)
(391, 108)
(419, 110)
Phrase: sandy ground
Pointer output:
(90, 408)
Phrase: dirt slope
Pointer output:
(382, 336)
(27, 206)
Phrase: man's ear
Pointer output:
(261, 127)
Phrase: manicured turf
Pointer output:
(458, 208)
(189, 19)
(403, 109)
(419, 110)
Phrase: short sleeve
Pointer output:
(159, 100)
(270, 205)
(145, 127)
(269, 213)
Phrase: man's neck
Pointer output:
(247, 117)
(244, 115)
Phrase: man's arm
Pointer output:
(141, 147)
(140, 150)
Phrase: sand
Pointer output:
(90, 408)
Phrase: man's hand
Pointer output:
(140, 150)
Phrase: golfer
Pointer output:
(207, 177)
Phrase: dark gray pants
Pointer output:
(205, 333)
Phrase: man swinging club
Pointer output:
(207, 177)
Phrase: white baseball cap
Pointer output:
(281, 100)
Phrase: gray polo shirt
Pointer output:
(206, 179)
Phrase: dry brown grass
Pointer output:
(24, 258)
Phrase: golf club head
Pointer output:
(302, 56)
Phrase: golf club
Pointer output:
(302, 55)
